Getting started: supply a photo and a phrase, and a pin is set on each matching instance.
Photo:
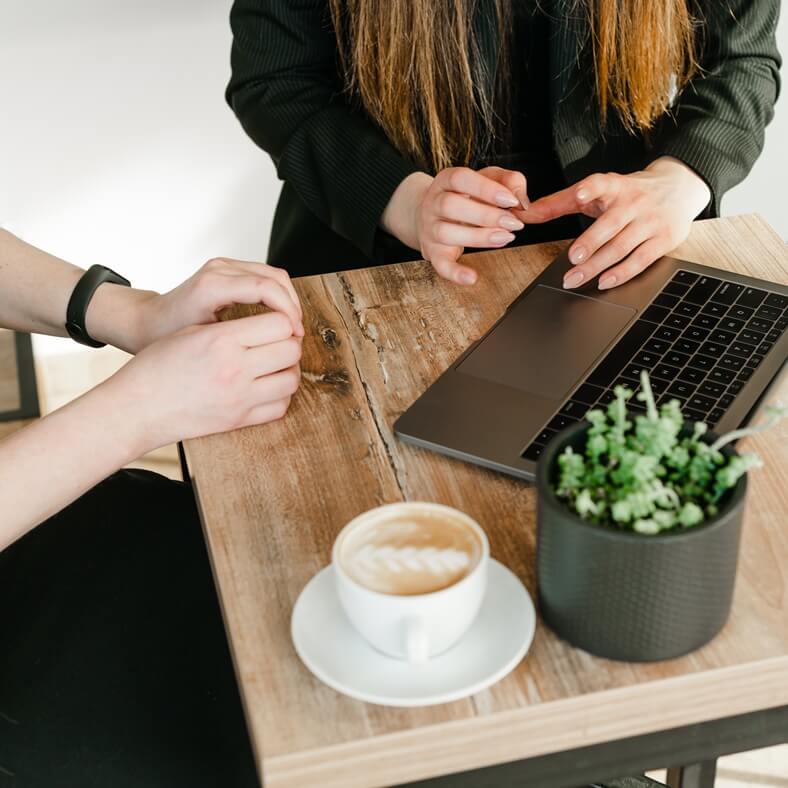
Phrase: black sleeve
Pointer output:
(717, 125)
(285, 89)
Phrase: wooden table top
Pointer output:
(274, 497)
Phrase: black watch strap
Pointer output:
(80, 299)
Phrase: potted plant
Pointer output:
(639, 518)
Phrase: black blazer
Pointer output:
(339, 170)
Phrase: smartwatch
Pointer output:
(80, 299)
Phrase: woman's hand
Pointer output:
(132, 319)
(458, 208)
(639, 218)
(210, 378)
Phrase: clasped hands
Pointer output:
(638, 217)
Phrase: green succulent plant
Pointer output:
(648, 474)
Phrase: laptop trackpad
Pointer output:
(547, 342)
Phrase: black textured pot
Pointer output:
(630, 596)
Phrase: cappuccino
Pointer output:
(408, 552)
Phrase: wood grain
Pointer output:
(274, 497)
(9, 374)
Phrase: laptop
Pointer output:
(714, 340)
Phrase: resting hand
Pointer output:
(458, 208)
(132, 319)
(639, 218)
(212, 378)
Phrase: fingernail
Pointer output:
(506, 200)
(510, 223)
(577, 255)
(466, 277)
(573, 279)
(607, 282)
(500, 237)
(582, 195)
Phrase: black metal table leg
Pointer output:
(695, 775)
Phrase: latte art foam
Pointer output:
(410, 553)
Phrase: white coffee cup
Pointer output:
(402, 624)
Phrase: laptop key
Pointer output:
(721, 375)
(731, 324)
(681, 389)
(705, 321)
(667, 333)
(779, 301)
(751, 297)
(701, 362)
(533, 452)
(741, 349)
(703, 289)
(765, 347)
(701, 403)
(686, 345)
(658, 346)
(691, 375)
(731, 362)
(781, 324)
(560, 421)
(714, 309)
(713, 349)
(656, 314)
(622, 353)
(690, 310)
(685, 277)
(773, 335)
(745, 374)
(726, 400)
(665, 371)
(740, 312)
(723, 337)
(677, 321)
(754, 360)
(760, 324)
(675, 288)
(646, 359)
(677, 359)
(716, 414)
(545, 436)
(605, 399)
(769, 312)
(588, 393)
(668, 397)
(694, 415)
(752, 337)
(666, 299)
(573, 409)
(711, 389)
(727, 293)
(695, 334)
(735, 387)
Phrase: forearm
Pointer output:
(35, 288)
(50, 463)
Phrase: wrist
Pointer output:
(690, 185)
(117, 315)
(400, 217)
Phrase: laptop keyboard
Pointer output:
(700, 340)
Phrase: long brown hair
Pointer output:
(416, 68)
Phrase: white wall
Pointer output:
(116, 146)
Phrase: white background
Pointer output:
(116, 145)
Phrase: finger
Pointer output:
(256, 289)
(226, 265)
(607, 226)
(579, 198)
(270, 411)
(266, 359)
(459, 208)
(444, 261)
(278, 385)
(512, 180)
(450, 234)
(612, 252)
(640, 259)
(258, 329)
(467, 181)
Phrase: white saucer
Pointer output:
(331, 648)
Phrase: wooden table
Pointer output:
(274, 497)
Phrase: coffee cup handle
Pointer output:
(416, 640)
